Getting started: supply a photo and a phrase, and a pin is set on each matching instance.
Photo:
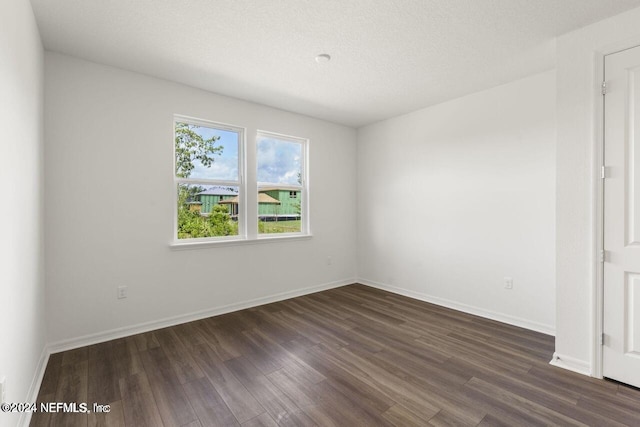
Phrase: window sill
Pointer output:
(180, 246)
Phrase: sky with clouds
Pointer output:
(225, 165)
(279, 161)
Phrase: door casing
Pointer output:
(598, 202)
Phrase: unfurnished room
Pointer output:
(320, 213)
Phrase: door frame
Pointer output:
(598, 201)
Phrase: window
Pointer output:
(207, 177)
(211, 188)
(281, 163)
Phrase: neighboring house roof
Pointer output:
(276, 189)
(216, 191)
(265, 198)
(262, 198)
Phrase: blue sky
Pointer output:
(278, 160)
(224, 166)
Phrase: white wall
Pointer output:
(578, 170)
(110, 204)
(454, 197)
(21, 252)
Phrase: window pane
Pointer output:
(207, 211)
(279, 210)
(206, 153)
(279, 161)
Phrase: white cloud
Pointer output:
(222, 168)
(278, 161)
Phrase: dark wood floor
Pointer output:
(345, 357)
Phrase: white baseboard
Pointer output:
(571, 364)
(477, 311)
(34, 388)
(125, 331)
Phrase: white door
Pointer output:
(621, 351)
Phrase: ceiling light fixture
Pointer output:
(322, 58)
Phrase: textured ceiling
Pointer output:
(389, 57)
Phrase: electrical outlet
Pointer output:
(508, 283)
(122, 292)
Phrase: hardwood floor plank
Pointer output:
(208, 405)
(310, 330)
(550, 397)
(467, 352)
(76, 356)
(103, 383)
(364, 340)
(611, 408)
(425, 390)
(629, 392)
(114, 418)
(281, 408)
(43, 419)
(448, 419)
(342, 377)
(315, 313)
(384, 382)
(223, 343)
(349, 409)
(72, 388)
(406, 365)
(241, 403)
(366, 315)
(301, 394)
(181, 359)
(297, 418)
(172, 403)
(189, 334)
(400, 416)
(278, 331)
(410, 346)
(294, 365)
(365, 397)
(276, 403)
(511, 400)
(138, 404)
(353, 355)
(318, 401)
(321, 416)
(258, 352)
(127, 359)
(493, 421)
(145, 341)
(263, 420)
(572, 382)
(527, 358)
(497, 411)
(51, 374)
(323, 303)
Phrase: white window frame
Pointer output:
(247, 233)
(240, 183)
(302, 189)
